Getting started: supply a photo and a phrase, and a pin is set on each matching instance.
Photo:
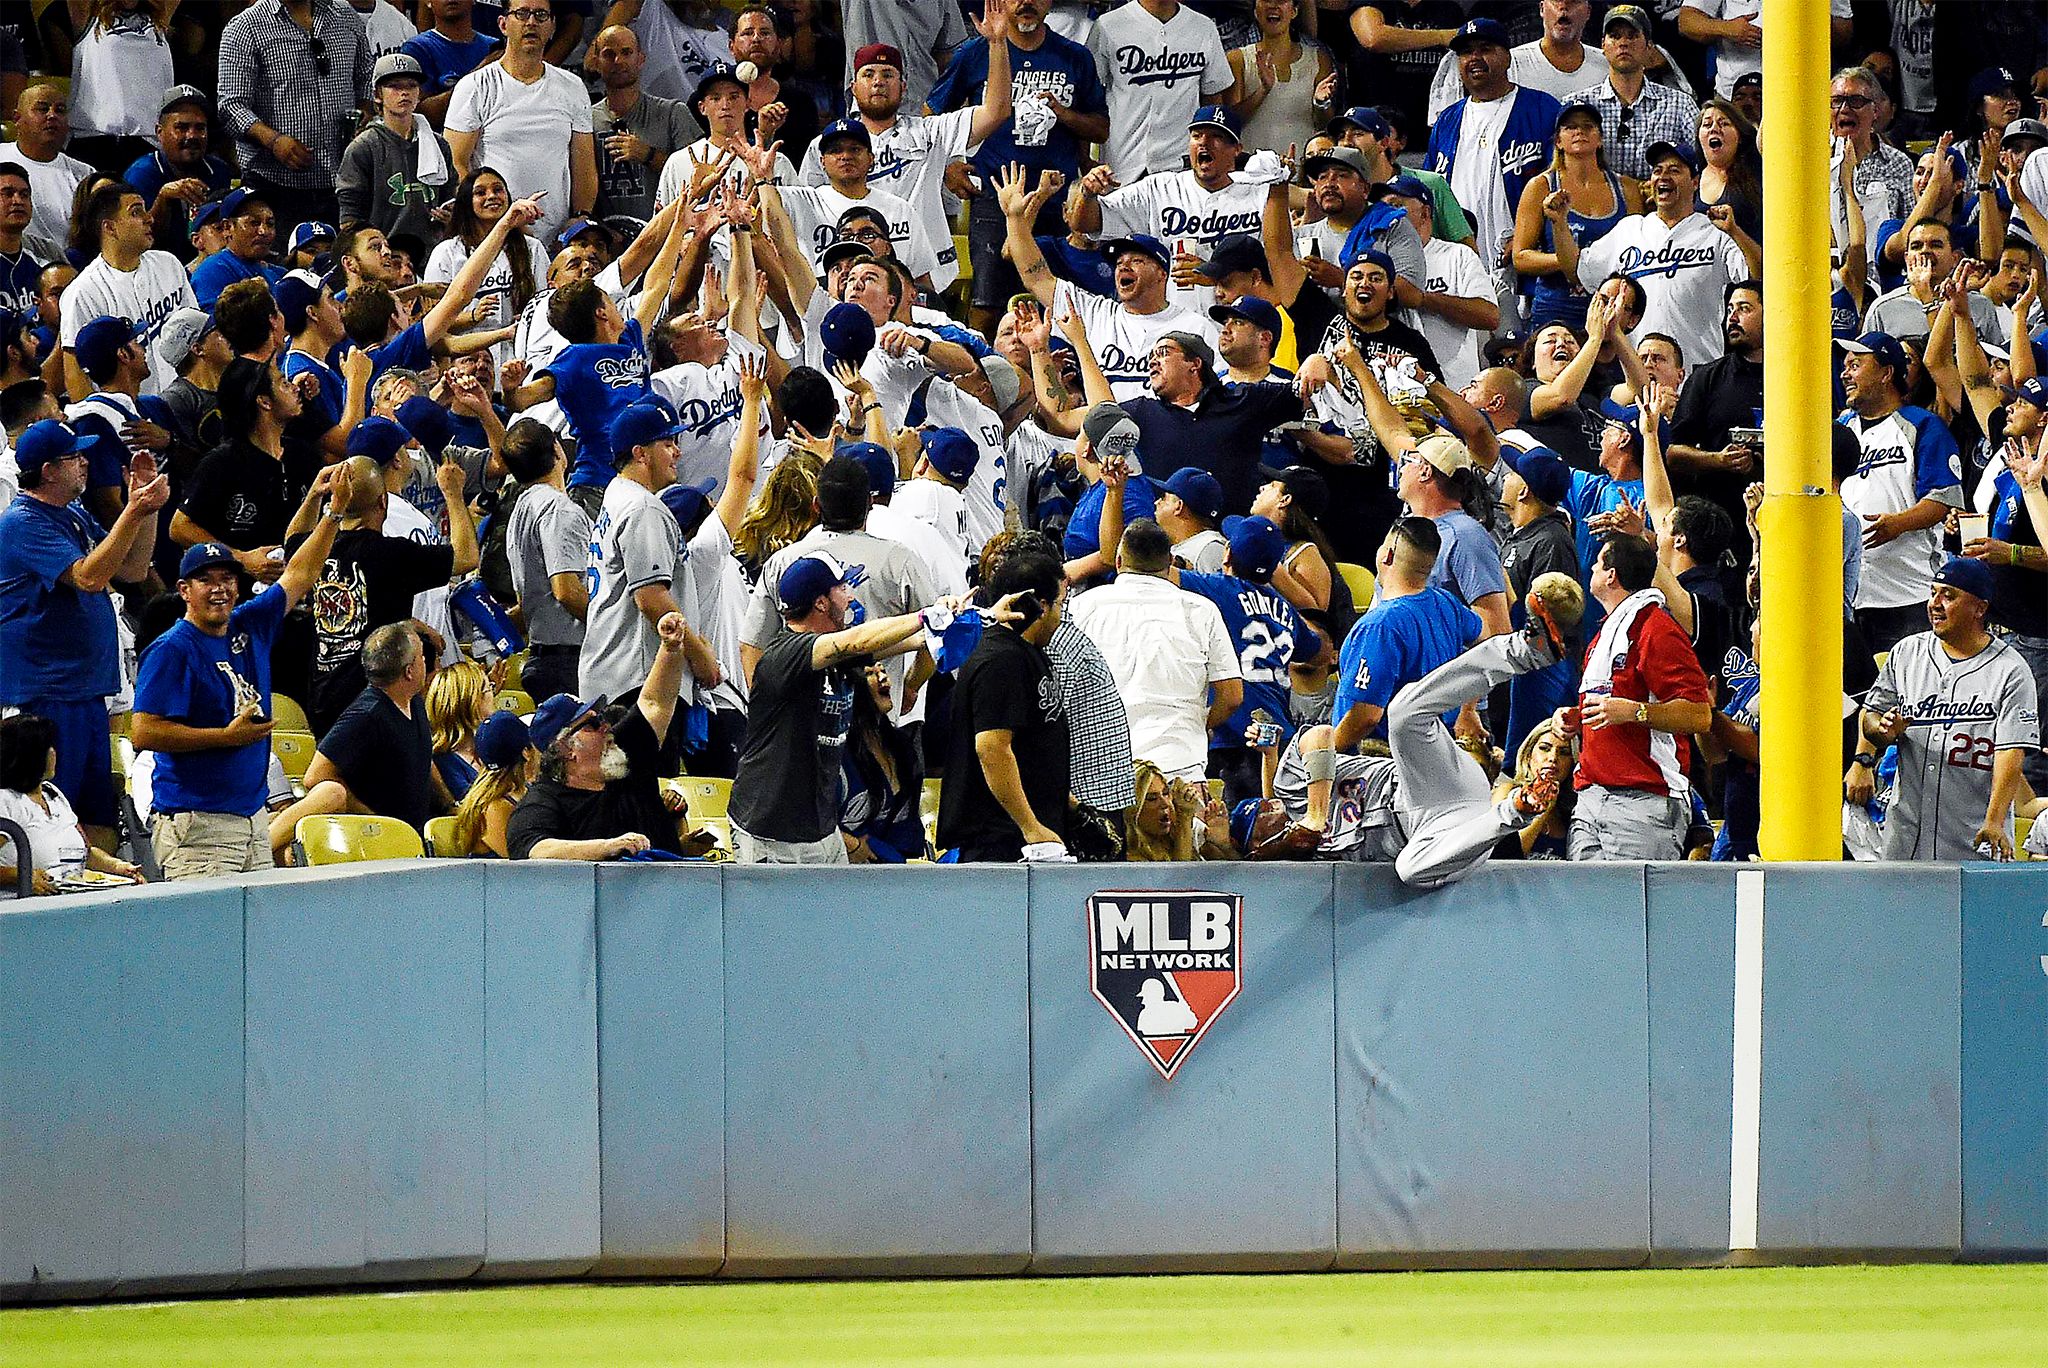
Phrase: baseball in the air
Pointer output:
(747, 72)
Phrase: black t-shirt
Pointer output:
(1363, 504)
(385, 757)
(552, 811)
(1713, 625)
(787, 784)
(368, 582)
(1006, 685)
(1719, 396)
(1221, 434)
(239, 495)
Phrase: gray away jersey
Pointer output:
(1961, 714)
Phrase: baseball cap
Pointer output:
(1111, 432)
(1219, 118)
(952, 452)
(2035, 392)
(807, 578)
(1477, 31)
(1633, 15)
(181, 335)
(1363, 117)
(1990, 81)
(2024, 128)
(880, 463)
(838, 250)
(1375, 256)
(204, 557)
(1747, 78)
(1349, 157)
(1544, 471)
(100, 342)
(380, 439)
(1199, 490)
(1303, 485)
(1233, 254)
(203, 215)
(1138, 242)
(1666, 147)
(1406, 185)
(393, 65)
(845, 128)
(560, 715)
(576, 228)
(502, 739)
(1252, 310)
(1194, 345)
(1256, 547)
(1881, 345)
(298, 292)
(689, 502)
(1575, 109)
(1003, 379)
(638, 424)
(878, 54)
(847, 334)
(1970, 576)
(183, 95)
(50, 439)
(1444, 452)
(233, 201)
(427, 422)
(310, 232)
(719, 72)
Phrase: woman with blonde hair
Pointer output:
(459, 698)
(1173, 820)
(781, 513)
(1546, 753)
(1577, 197)
(505, 751)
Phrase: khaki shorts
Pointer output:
(206, 845)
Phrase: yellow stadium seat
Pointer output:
(441, 839)
(515, 701)
(288, 715)
(960, 250)
(2020, 827)
(515, 670)
(294, 750)
(928, 808)
(1359, 580)
(708, 799)
(342, 838)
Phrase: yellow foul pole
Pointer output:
(1801, 656)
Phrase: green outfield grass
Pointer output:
(1957, 1317)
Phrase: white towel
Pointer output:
(1610, 648)
(433, 166)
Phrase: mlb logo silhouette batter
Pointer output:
(1165, 965)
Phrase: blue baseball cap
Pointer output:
(1219, 118)
(1990, 81)
(1477, 31)
(296, 294)
(99, 344)
(1376, 257)
(1252, 310)
(502, 739)
(310, 232)
(689, 503)
(380, 439)
(2034, 391)
(847, 334)
(1576, 109)
(1667, 147)
(952, 452)
(1138, 242)
(428, 423)
(1545, 473)
(1882, 345)
(1234, 254)
(576, 228)
(719, 71)
(1256, 547)
(639, 424)
(1363, 117)
(204, 557)
(881, 466)
(560, 715)
(807, 579)
(233, 201)
(845, 128)
(838, 250)
(1199, 490)
(1970, 576)
(203, 215)
(1242, 818)
(49, 439)
(1407, 185)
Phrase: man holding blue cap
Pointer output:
(58, 650)
(1157, 62)
(1960, 705)
(202, 699)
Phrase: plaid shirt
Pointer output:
(1661, 113)
(1099, 732)
(270, 70)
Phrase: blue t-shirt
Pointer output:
(223, 269)
(205, 681)
(1397, 642)
(407, 351)
(152, 173)
(323, 410)
(56, 642)
(1084, 528)
(594, 382)
(1061, 69)
(1083, 267)
(1270, 636)
(442, 61)
(1469, 563)
(1591, 496)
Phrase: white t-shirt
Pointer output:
(448, 257)
(1684, 270)
(118, 78)
(55, 844)
(708, 400)
(148, 294)
(402, 519)
(987, 495)
(51, 185)
(387, 27)
(1123, 340)
(1475, 172)
(1454, 269)
(942, 510)
(1166, 647)
(814, 212)
(1732, 60)
(911, 157)
(526, 131)
(1155, 76)
(678, 54)
(1527, 66)
(715, 581)
(1176, 209)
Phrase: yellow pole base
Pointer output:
(1800, 657)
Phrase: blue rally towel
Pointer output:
(950, 638)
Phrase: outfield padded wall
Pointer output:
(444, 1070)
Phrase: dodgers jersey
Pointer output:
(1683, 269)
(707, 402)
(911, 156)
(1960, 714)
(1908, 455)
(814, 212)
(1156, 72)
(1123, 340)
(1176, 209)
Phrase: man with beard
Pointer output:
(599, 791)
(1719, 398)
(1340, 186)
(181, 175)
(912, 151)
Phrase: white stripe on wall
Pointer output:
(1746, 1130)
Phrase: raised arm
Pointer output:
(745, 465)
(1276, 233)
(1094, 384)
(1554, 396)
(995, 107)
(440, 319)
(1387, 423)
(1020, 211)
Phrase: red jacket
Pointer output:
(1660, 668)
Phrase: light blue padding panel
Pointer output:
(540, 1067)
(2005, 1059)
(1692, 1047)
(661, 1068)
(1232, 1162)
(366, 1152)
(1861, 1052)
(1493, 1066)
(878, 1112)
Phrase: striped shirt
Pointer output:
(1099, 735)
(270, 71)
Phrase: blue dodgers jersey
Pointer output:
(1270, 636)
(594, 382)
(1397, 642)
(204, 681)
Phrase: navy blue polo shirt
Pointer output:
(199, 680)
(1222, 434)
(56, 642)
(152, 173)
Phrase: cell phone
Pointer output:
(1746, 436)
(1029, 605)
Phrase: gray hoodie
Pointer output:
(379, 184)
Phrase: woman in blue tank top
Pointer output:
(1581, 196)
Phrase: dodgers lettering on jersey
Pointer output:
(1908, 455)
(1165, 67)
(1665, 260)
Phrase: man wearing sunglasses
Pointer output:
(294, 81)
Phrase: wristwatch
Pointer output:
(1643, 714)
(1867, 761)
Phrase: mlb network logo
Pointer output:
(1165, 965)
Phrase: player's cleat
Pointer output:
(1294, 842)
(1555, 604)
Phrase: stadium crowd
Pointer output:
(1216, 430)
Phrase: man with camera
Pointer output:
(1716, 447)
